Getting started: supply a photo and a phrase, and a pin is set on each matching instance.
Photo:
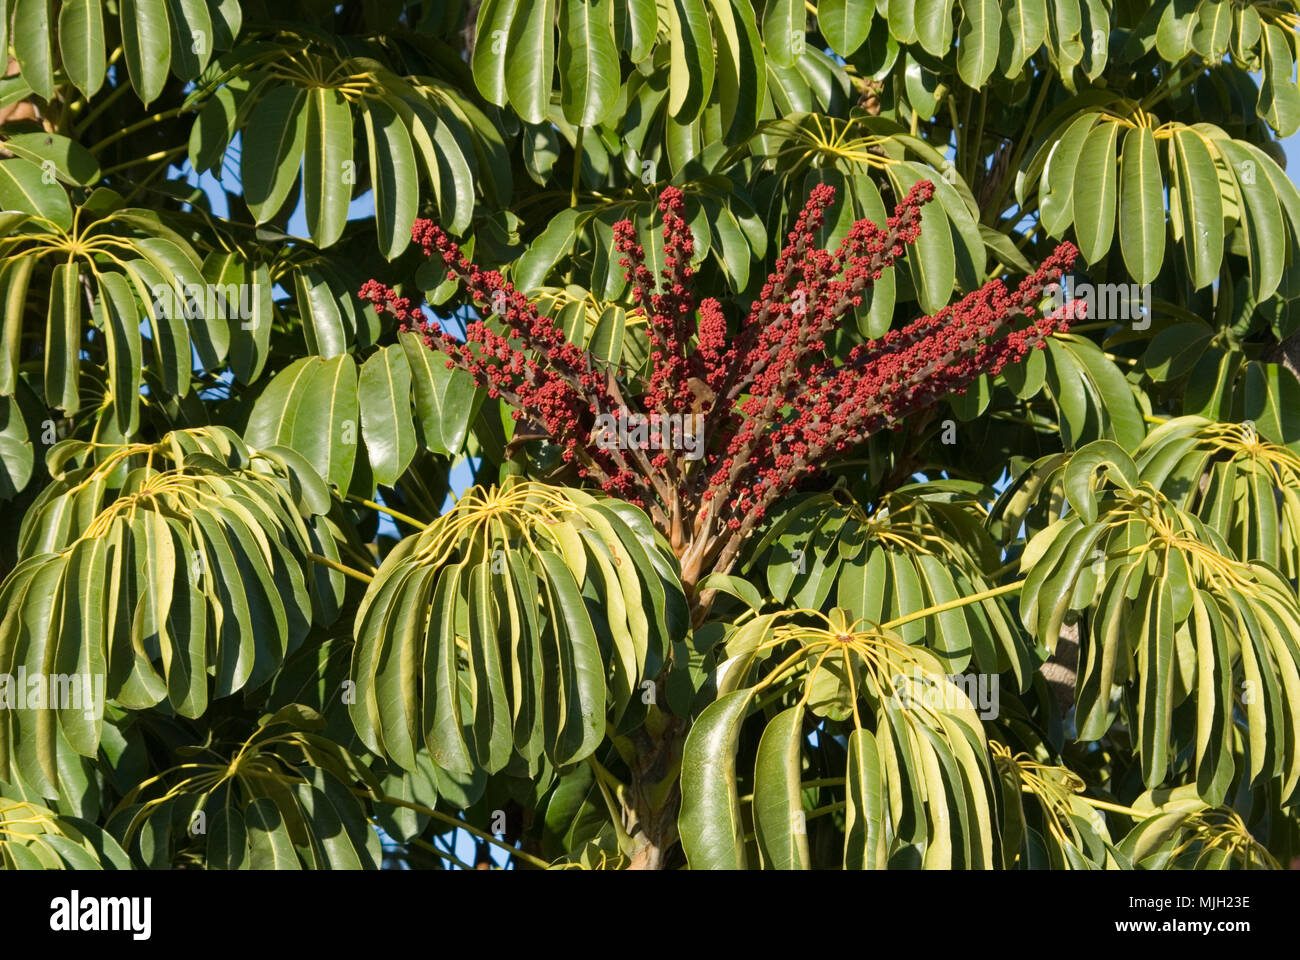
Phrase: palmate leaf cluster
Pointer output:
(239, 494)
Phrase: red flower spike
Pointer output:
(775, 407)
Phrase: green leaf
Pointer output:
(741, 71)
(245, 291)
(273, 144)
(845, 23)
(1004, 249)
(192, 37)
(1279, 98)
(325, 428)
(1141, 206)
(1081, 473)
(901, 17)
(392, 168)
(978, 41)
(711, 830)
(213, 129)
(15, 279)
(531, 270)
(934, 25)
(931, 259)
(1269, 396)
(63, 339)
(864, 813)
(1213, 31)
(311, 406)
(24, 188)
(530, 59)
(1266, 235)
(81, 44)
(784, 23)
(327, 324)
(736, 586)
(455, 187)
(1200, 204)
(385, 397)
(493, 738)
(588, 58)
(1123, 418)
(779, 818)
(582, 723)
(326, 164)
(1056, 188)
(606, 342)
(1095, 179)
(642, 25)
(1155, 668)
(33, 40)
(116, 316)
(1174, 31)
(69, 161)
(691, 59)
(445, 400)
(228, 18)
(1025, 30)
(17, 458)
(491, 52)
(146, 45)
(1064, 40)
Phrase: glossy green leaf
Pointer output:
(1024, 29)
(978, 41)
(385, 398)
(63, 339)
(33, 42)
(146, 45)
(327, 175)
(491, 52)
(845, 23)
(784, 23)
(81, 44)
(445, 400)
(530, 59)
(779, 818)
(1095, 178)
(588, 58)
(1201, 205)
(24, 187)
(1141, 206)
(192, 37)
(691, 60)
(273, 143)
(711, 830)
(392, 167)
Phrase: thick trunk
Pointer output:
(653, 796)
(1061, 668)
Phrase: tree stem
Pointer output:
(345, 570)
(577, 167)
(456, 822)
(953, 604)
(395, 514)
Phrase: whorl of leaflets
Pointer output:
(776, 407)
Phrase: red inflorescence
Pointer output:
(775, 405)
